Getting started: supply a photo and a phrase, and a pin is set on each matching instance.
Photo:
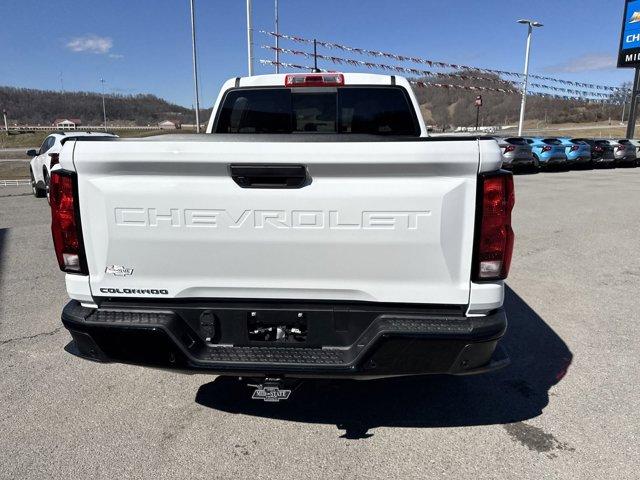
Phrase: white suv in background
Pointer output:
(47, 156)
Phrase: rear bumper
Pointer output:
(509, 163)
(606, 161)
(585, 158)
(553, 161)
(342, 341)
(626, 160)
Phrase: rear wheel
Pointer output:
(36, 189)
(540, 166)
(47, 181)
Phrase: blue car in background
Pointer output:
(578, 152)
(550, 152)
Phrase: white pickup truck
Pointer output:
(314, 231)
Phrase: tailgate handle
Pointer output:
(270, 176)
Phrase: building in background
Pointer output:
(67, 123)
(170, 125)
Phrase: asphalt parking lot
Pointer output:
(567, 407)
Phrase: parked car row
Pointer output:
(534, 153)
(539, 153)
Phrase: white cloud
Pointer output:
(91, 44)
(586, 63)
(116, 56)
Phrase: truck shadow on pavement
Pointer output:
(540, 359)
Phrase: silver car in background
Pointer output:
(517, 153)
(624, 152)
(636, 143)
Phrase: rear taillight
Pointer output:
(65, 222)
(494, 235)
(546, 148)
(575, 148)
(55, 159)
(509, 148)
(314, 80)
(598, 149)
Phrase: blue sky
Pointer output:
(142, 46)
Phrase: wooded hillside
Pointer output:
(440, 107)
(455, 107)
(42, 107)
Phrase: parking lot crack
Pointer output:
(31, 337)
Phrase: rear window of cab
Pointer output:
(349, 110)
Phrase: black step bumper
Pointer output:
(354, 341)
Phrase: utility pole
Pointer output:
(250, 38)
(277, 39)
(195, 66)
(104, 109)
(315, 56)
(478, 105)
(530, 24)
(61, 83)
(6, 125)
(631, 126)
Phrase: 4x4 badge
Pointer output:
(119, 270)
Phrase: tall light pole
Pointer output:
(104, 109)
(277, 40)
(195, 66)
(530, 24)
(249, 38)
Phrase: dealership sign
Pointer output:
(629, 55)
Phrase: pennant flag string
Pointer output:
(426, 84)
(427, 73)
(437, 64)
(412, 71)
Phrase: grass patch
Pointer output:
(35, 139)
(12, 155)
(14, 170)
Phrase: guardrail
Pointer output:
(15, 183)
(24, 128)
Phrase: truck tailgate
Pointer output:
(377, 221)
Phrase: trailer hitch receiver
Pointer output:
(272, 390)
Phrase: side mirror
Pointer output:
(32, 153)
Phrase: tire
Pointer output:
(37, 191)
(47, 181)
(539, 167)
(536, 164)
